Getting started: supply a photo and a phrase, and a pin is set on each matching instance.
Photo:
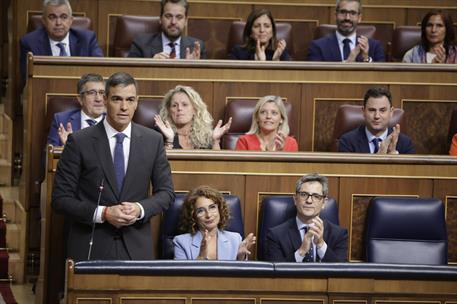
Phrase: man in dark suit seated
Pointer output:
(91, 90)
(344, 44)
(308, 238)
(169, 43)
(375, 136)
(56, 38)
(103, 179)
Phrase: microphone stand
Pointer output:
(100, 190)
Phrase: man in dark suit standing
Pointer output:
(91, 90)
(375, 136)
(344, 44)
(103, 178)
(56, 38)
(169, 43)
(308, 238)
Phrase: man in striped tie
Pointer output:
(91, 90)
(306, 237)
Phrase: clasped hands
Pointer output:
(362, 47)
(243, 249)
(314, 234)
(124, 214)
(260, 50)
(194, 54)
(389, 145)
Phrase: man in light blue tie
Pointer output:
(91, 90)
(307, 237)
(375, 135)
(103, 181)
(56, 37)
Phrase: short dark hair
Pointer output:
(188, 222)
(377, 92)
(248, 41)
(337, 7)
(449, 38)
(120, 78)
(314, 177)
(183, 3)
(88, 78)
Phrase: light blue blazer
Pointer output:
(187, 246)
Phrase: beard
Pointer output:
(344, 29)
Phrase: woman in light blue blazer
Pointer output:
(204, 216)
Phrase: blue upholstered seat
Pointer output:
(406, 231)
(278, 209)
(170, 222)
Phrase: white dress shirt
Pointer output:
(65, 41)
(352, 44)
(320, 251)
(167, 48)
(370, 138)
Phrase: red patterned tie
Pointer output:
(173, 50)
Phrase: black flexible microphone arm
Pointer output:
(100, 190)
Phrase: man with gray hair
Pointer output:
(345, 44)
(306, 237)
(56, 37)
(91, 90)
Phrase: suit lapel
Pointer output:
(222, 246)
(196, 241)
(363, 140)
(135, 159)
(336, 54)
(45, 43)
(293, 234)
(156, 45)
(74, 44)
(75, 121)
(101, 146)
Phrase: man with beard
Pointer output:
(169, 42)
(375, 136)
(344, 44)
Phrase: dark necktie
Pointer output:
(91, 122)
(119, 165)
(346, 48)
(173, 50)
(61, 46)
(309, 256)
(376, 142)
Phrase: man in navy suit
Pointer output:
(56, 38)
(104, 178)
(91, 90)
(306, 237)
(344, 44)
(169, 43)
(375, 136)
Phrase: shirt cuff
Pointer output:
(98, 214)
(298, 257)
(141, 216)
(321, 251)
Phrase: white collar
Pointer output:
(351, 37)
(111, 132)
(370, 136)
(65, 40)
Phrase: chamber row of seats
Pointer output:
(348, 117)
(398, 230)
(395, 41)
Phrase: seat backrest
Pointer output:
(404, 38)
(350, 117)
(128, 27)
(170, 221)
(406, 231)
(147, 109)
(241, 111)
(276, 210)
(322, 30)
(79, 22)
(283, 31)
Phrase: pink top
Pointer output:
(251, 142)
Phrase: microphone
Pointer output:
(100, 190)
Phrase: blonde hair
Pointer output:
(277, 100)
(202, 123)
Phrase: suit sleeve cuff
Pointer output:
(321, 251)
(298, 257)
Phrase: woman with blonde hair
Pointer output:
(185, 122)
(269, 128)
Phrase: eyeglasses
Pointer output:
(212, 209)
(344, 12)
(94, 92)
(314, 196)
